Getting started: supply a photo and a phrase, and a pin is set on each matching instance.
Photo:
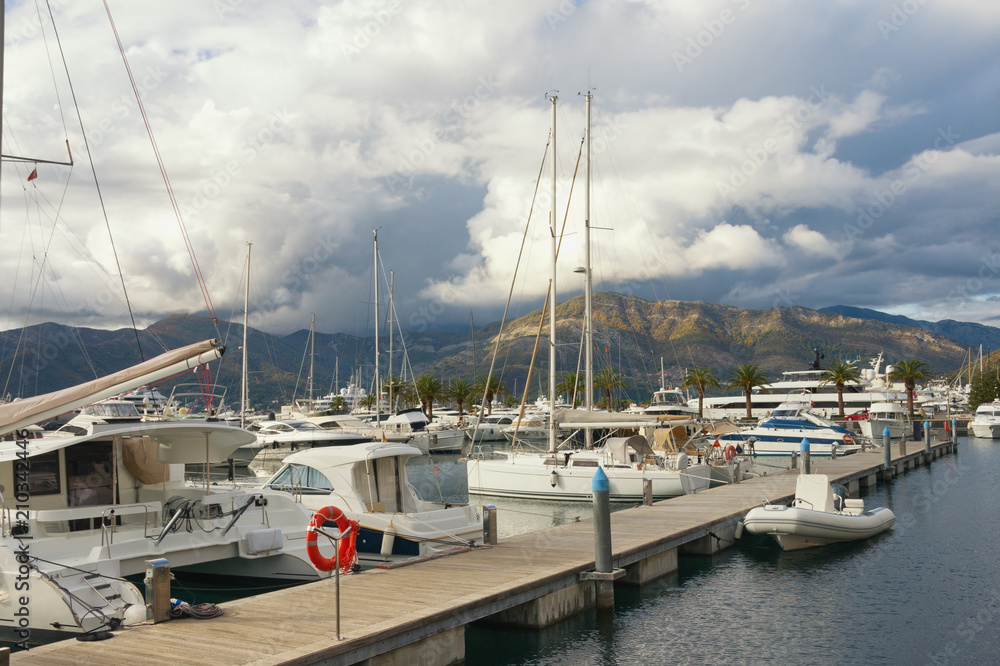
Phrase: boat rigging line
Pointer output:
(166, 181)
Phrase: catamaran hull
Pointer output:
(796, 527)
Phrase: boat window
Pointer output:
(585, 463)
(71, 430)
(785, 412)
(89, 480)
(44, 476)
(301, 478)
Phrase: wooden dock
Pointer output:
(418, 613)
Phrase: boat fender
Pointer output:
(730, 452)
(553, 479)
(739, 530)
(848, 439)
(388, 541)
(347, 546)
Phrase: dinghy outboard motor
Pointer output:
(839, 495)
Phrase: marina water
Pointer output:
(926, 592)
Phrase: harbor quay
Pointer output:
(417, 613)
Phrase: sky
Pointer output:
(747, 153)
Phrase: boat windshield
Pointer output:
(300, 478)
(785, 413)
(112, 409)
(668, 398)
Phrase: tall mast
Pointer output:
(588, 367)
(552, 305)
(378, 384)
(392, 288)
(312, 357)
(246, 314)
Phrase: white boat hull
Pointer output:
(798, 527)
(986, 430)
(526, 476)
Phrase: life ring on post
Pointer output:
(730, 452)
(347, 546)
(848, 439)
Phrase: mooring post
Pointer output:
(647, 491)
(737, 471)
(886, 454)
(795, 460)
(833, 452)
(954, 434)
(927, 439)
(602, 539)
(804, 450)
(490, 525)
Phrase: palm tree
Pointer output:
(572, 385)
(460, 390)
(490, 387)
(747, 377)
(700, 379)
(608, 380)
(429, 388)
(840, 374)
(338, 404)
(397, 388)
(910, 372)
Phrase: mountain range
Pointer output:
(633, 336)
(965, 332)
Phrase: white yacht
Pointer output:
(986, 422)
(794, 384)
(369, 483)
(668, 403)
(425, 435)
(276, 439)
(884, 415)
(782, 433)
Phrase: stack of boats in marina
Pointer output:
(100, 502)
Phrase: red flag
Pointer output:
(436, 470)
(33, 175)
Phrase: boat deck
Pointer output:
(385, 609)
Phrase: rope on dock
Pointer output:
(180, 608)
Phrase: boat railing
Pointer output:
(109, 522)
(104, 512)
(6, 526)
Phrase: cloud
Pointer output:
(787, 157)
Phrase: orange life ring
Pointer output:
(730, 452)
(848, 439)
(347, 547)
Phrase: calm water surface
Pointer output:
(927, 592)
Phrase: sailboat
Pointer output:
(565, 473)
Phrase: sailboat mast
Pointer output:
(246, 314)
(312, 357)
(378, 386)
(392, 289)
(552, 306)
(588, 367)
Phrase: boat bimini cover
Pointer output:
(619, 446)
